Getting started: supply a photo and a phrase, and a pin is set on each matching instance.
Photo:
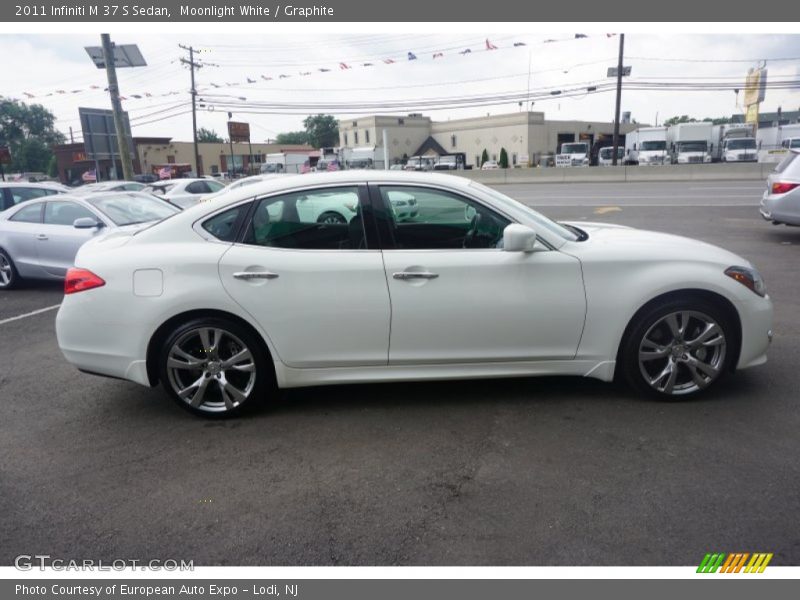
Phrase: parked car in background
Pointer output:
(251, 293)
(39, 238)
(184, 192)
(241, 183)
(12, 193)
(780, 203)
(145, 178)
(110, 186)
(490, 165)
(605, 156)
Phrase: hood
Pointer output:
(622, 243)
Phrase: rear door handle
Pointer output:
(405, 275)
(248, 275)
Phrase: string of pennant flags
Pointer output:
(342, 66)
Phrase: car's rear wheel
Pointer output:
(678, 349)
(214, 367)
(331, 218)
(9, 278)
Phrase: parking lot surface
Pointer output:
(543, 471)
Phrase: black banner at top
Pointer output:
(404, 11)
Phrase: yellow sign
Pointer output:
(755, 86)
(752, 114)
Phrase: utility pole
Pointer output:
(192, 66)
(116, 107)
(619, 98)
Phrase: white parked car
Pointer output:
(226, 300)
(490, 165)
(110, 186)
(184, 192)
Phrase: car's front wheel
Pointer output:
(9, 277)
(677, 349)
(214, 367)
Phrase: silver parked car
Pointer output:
(781, 201)
(40, 238)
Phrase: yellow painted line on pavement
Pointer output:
(606, 209)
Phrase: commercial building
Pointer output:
(527, 137)
(153, 153)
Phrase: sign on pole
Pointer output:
(238, 132)
(100, 135)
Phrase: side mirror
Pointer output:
(518, 238)
(87, 223)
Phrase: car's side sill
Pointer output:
(291, 377)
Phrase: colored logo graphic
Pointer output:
(734, 563)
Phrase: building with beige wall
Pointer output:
(526, 136)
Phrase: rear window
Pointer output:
(789, 165)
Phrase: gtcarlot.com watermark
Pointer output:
(29, 562)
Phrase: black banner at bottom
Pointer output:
(396, 589)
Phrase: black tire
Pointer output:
(226, 391)
(332, 218)
(697, 366)
(9, 278)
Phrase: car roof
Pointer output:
(351, 176)
(42, 184)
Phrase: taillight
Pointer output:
(782, 187)
(80, 280)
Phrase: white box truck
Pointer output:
(734, 142)
(284, 162)
(573, 154)
(647, 146)
(690, 143)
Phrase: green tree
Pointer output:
(503, 162)
(208, 135)
(29, 131)
(322, 130)
(484, 157)
(292, 137)
(682, 119)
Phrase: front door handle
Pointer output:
(248, 275)
(406, 275)
(42, 237)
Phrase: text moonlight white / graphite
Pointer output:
(220, 11)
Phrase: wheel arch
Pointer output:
(163, 331)
(718, 300)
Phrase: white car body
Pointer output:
(184, 192)
(605, 156)
(560, 306)
(573, 154)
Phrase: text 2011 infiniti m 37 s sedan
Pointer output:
(227, 300)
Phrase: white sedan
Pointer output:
(184, 192)
(227, 300)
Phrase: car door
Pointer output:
(457, 297)
(58, 240)
(19, 235)
(317, 289)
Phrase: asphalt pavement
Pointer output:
(535, 471)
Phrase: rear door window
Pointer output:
(31, 213)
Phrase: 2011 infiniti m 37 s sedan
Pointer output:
(228, 300)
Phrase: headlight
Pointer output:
(750, 278)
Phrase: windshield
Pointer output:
(574, 149)
(692, 146)
(609, 152)
(129, 209)
(654, 145)
(795, 143)
(744, 144)
(539, 218)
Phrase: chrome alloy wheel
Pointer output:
(211, 369)
(682, 352)
(5, 271)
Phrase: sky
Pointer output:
(311, 66)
